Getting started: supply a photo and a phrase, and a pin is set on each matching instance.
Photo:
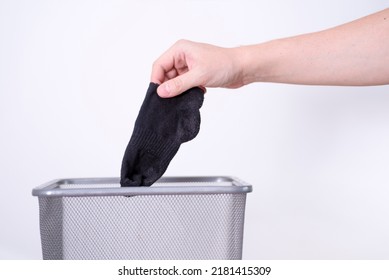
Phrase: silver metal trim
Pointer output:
(52, 188)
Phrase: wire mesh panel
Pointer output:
(188, 225)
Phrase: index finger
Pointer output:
(161, 67)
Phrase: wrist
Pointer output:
(250, 64)
(257, 62)
(246, 61)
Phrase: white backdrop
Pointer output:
(73, 75)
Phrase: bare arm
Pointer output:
(356, 53)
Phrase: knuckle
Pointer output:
(181, 42)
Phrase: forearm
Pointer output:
(356, 53)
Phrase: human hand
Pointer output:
(188, 64)
(335, 56)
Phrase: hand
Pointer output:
(188, 64)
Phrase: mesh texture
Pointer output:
(202, 226)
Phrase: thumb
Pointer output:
(177, 85)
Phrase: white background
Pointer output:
(73, 75)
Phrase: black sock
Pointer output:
(162, 125)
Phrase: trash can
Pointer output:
(175, 218)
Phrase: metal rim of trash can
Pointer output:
(52, 188)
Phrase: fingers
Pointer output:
(161, 72)
(177, 85)
(174, 70)
(171, 70)
(161, 67)
(157, 75)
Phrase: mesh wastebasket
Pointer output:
(176, 218)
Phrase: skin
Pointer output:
(352, 54)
